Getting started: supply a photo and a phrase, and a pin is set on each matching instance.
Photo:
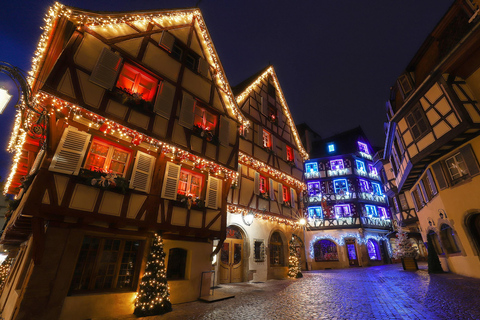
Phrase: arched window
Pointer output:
(473, 224)
(325, 250)
(373, 251)
(436, 244)
(448, 239)
(276, 250)
(177, 262)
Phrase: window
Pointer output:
(311, 167)
(258, 250)
(191, 61)
(104, 156)
(137, 82)
(361, 166)
(377, 189)
(276, 250)
(263, 185)
(383, 213)
(342, 211)
(285, 194)
(272, 113)
(456, 167)
(372, 248)
(177, 262)
(429, 184)
(290, 155)
(331, 147)
(190, 183)
(336, 164)
(325, 250)
(417, 122)
(314, 189)
(364, 186)
(267, 139)
(107, 264)
(271, 89)
(418, 198)
(363, 147)
(315, 213)
(177, 52)
(340, 186)
(373, 171)
(204, 119)
(448, 239)
(371, 211)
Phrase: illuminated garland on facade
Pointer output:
(262, 216)
(256, 83)
(262, 166)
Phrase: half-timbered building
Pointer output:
(265, 205)
(348, 214)
(138, 133)
(433, 143)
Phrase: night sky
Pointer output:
(335, 60)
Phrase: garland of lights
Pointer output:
(341, 241)
(294, 269)
(283, 102)
(259, 165)
(262, 216)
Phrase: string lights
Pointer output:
(263, 216)
(283, 102)
(262, 166)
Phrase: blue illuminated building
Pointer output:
(348, 212)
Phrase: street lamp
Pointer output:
(4, 99)
(248, 218)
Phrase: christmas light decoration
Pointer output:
(294, 269)
(153, 295)
(5, 271)
(341, 241)
(262, 166)
(283, 102)
(263, 216)
(404, 248)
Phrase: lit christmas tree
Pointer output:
(404, 247)
(4, 271)
(153, 297)
(294, 269)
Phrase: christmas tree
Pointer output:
(4, 271)
(294, 270)
(153, 298)
(434, 265)
(404, 247)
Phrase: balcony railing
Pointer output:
(376, 222)
(334, 223)
(339, 172)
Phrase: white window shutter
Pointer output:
(170, 181)
(167, 41)
(142, 172)
(280, 193)
(292, 197)
(256, 183)
(164, 101)
(203, 67)
(260, 136)
(223, 136)
(186, 111)
(106, 69)
(214, 191)
(70, 151)
(271, 190)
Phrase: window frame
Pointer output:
(342, 214)
(317, 249)
(335, 186)
(139, 74)
(285, 194)
(464, 173)
(449, 240)
(190, 174)
(276, 247)
(376, 185)
(290, 154)
(108, 158)
(174, 269)
(267, 140)
(263, 184)
(362, 147)
(333, 163)
(417, 111)
(317, 212)
(311, 165)
(362, 168)
(204, 123)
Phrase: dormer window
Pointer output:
(137, 83)
(331, 147)
(363, 147)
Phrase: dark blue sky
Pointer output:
(335, 60)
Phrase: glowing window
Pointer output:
(325, 250)
(204, 119)
(331, 147)
(290, 156)
(342, 210)
(364, 185)
(315, 212)
(267, 139)
(314, 188)
(361, 166)
(285, 194)
(377, 189)
(263, 186)
(373, 170)
(336, 164)
(371, 211)
(190, 183)
(311, 167)
(340, 186)
(372, 248)
(107, 157)
(137, 82)
(363, 147)
(383, 213)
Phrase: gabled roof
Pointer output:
(345, 143)
(249, 84)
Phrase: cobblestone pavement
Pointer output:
(383, 292)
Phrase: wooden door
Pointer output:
(352, 253)
(231, 261)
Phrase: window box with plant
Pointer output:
(104, 180)
(189, 190)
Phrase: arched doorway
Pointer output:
(276, 250)
(473, 224)
(231, 263)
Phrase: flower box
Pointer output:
(103, 180)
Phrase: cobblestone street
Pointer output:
(384, 292)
